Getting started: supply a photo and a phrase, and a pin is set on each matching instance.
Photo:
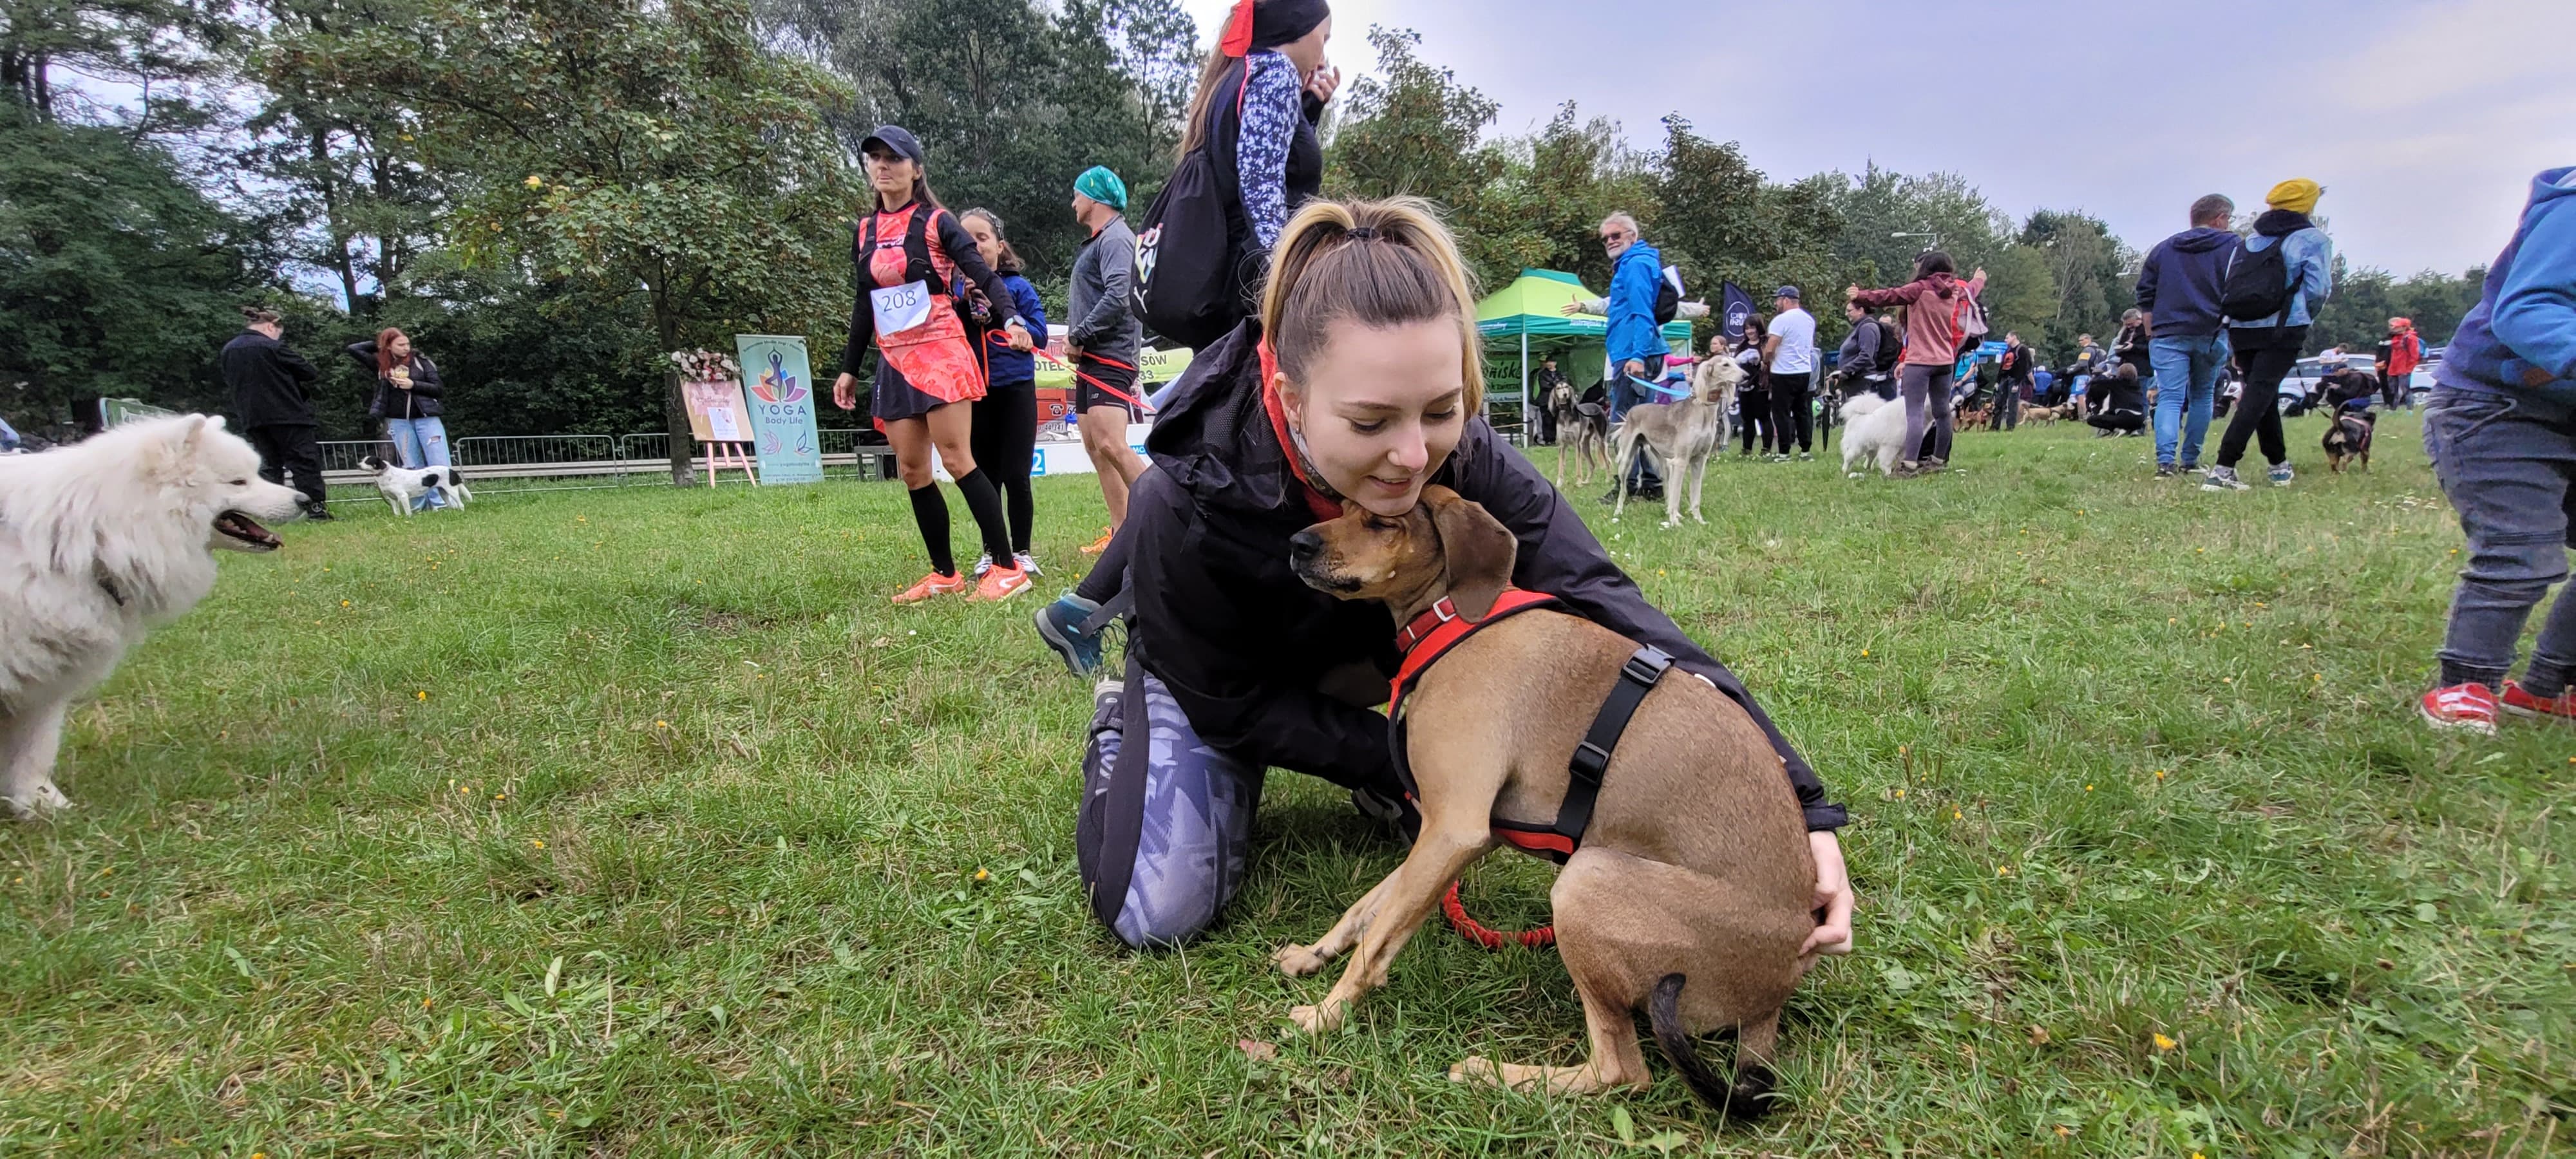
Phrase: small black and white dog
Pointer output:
(401, 485)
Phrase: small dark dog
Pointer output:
(2348, 439)
(1582, 428)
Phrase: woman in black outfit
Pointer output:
(1753, 398)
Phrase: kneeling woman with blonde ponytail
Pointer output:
(1359, 382)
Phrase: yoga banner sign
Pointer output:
(780, 385)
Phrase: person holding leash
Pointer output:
(272, 389)
(409, 399)
(1102, 340)
(908, 252)
(1006, 418)
(1359, 383)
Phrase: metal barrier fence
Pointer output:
(502, 464)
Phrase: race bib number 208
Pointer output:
(900, 308)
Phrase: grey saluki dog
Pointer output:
(1682, 434)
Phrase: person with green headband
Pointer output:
(1102, 338)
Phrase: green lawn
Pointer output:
(636, 822)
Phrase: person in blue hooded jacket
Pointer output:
(2177, 300)
(2266, 348)
(2501, 431)
(1636, 342)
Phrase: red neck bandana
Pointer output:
(1317, 501)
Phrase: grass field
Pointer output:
(636, 822)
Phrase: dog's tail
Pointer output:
(1749, 1097)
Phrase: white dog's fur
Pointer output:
(1872, 427)
(99, 541)
(400, 485)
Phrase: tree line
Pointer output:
(550, 194)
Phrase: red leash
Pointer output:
(1492, 939)
(1123, 396)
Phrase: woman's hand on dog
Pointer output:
(1833, 895)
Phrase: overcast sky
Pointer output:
(2424, 119)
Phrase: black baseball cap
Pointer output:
(894, 139)
(1790, 292)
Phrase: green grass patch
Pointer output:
(637, 822)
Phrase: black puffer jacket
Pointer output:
(271, 383)
(422, 401)
(1243, 644)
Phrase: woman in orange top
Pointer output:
(909, 253)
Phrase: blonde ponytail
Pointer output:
(1378, 263)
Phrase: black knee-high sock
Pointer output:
(931, 512)
(1023, 510)
(985, 504)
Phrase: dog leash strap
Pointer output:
(1637, 677)
(1659, 388)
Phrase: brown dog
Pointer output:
(2037, 415)
(2347, 440)
(1690, 895)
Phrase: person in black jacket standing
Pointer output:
(1359, 382)
(272, 392)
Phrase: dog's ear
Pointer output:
(1477, 549)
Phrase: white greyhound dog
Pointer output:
(1683, 434)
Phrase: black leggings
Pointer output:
(1756, 405)
(1004, 444)
(2264, 357)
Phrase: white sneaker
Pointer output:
(1027, 563)
(2223, 479)
(983, 563)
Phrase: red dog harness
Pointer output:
(1433, 633)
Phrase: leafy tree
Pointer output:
(338, 163)
(117, 277)
(2086, 263)
(1412, 129)
(656, 155)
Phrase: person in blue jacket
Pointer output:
(1004, 441)
(2266, 348)
(2501, 430)
(1635, 343)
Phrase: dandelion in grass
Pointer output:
(537, 843)
(422, 694)
(2164, 1044)
(981, 874)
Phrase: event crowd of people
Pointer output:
(1338, 363)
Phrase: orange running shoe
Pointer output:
(1001, 583)
(1101, 544)
(933, 584)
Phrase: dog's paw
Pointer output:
(1298, 961)
(1319, 1019)
(40, 802)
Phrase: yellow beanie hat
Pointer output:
(2298, 195)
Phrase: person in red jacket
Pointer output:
(2399, 354)
(1933, 302)
(909, 250)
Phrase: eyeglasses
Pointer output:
(1613, 238)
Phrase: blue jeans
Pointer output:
(2186, 374)
(1625, 393)
(2509, 468)
(420, 442)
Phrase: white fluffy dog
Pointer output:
(99, 541)
(1873, 427)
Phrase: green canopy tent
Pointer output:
(1527, 319)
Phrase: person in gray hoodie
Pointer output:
(2178, 288)
(1102, 339)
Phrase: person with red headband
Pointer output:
(1359, 383)
(2399, 354)
(909, 251)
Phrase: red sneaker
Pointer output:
(2463, 706)
(931, 585)
(2521, 703)
(1001, 583)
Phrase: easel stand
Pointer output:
(723, 455)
